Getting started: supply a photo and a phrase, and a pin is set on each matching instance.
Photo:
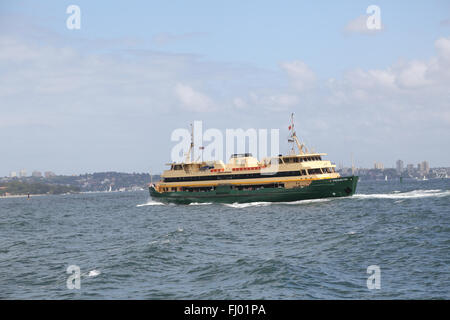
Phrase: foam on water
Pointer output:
(93, 273)
(151, 203)
(199, 203)
(404, 195)
(248, 204)
(264, 204)
(393, 195)
(307, 201)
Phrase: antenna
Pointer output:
(192, 142)
(293, 137)
(353, 165)
(190, 153)
(291, 129)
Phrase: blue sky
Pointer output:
(240, 31)
(107, 96)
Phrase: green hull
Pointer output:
(325, 188)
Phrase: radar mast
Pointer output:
(294, 139)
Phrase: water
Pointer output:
(129, 247)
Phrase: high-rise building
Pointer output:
(424, 167)
(399, 166)
(13, 174)
(410, 168)
(36, 174)
(49, 174)
(23, 173)
(378, 165)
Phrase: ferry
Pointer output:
(300, 175)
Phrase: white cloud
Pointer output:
(193, 100)
(86, 100)
(443, 47)
(413, 75)
(301, 75)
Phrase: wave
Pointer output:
(263, 204)
(93, 273)
(405, 195)
(397, 195)
(200, 203)
(247, 204)
(151, 203)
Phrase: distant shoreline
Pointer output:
(59, 194)
(22, 196)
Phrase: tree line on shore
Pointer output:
(21, 188)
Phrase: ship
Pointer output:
(300, 175)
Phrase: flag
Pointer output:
(290, 127)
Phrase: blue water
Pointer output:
(129, 247)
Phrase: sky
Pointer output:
(107, 96)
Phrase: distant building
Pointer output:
(378, 165)
(23, 173)
(410, 168)
(13, 174)
(424, 167)
(399, 166)
(49, 174)
(36, 174)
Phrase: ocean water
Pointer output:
(130, 247)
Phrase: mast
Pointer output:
(190, 153)
(353, 165)
(294, 138)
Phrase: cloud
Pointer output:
(193, 100)
(443, 48)
(301, 75)
(405, 95)
(403, 76)
(66, 100)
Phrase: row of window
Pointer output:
(301, 159)
(236, 187)
(285, 160)
(249, 175)
(236, 176)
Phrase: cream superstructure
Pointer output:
(289, 171)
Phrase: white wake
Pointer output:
(405, 195)
(264, 204)
(151, 203)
